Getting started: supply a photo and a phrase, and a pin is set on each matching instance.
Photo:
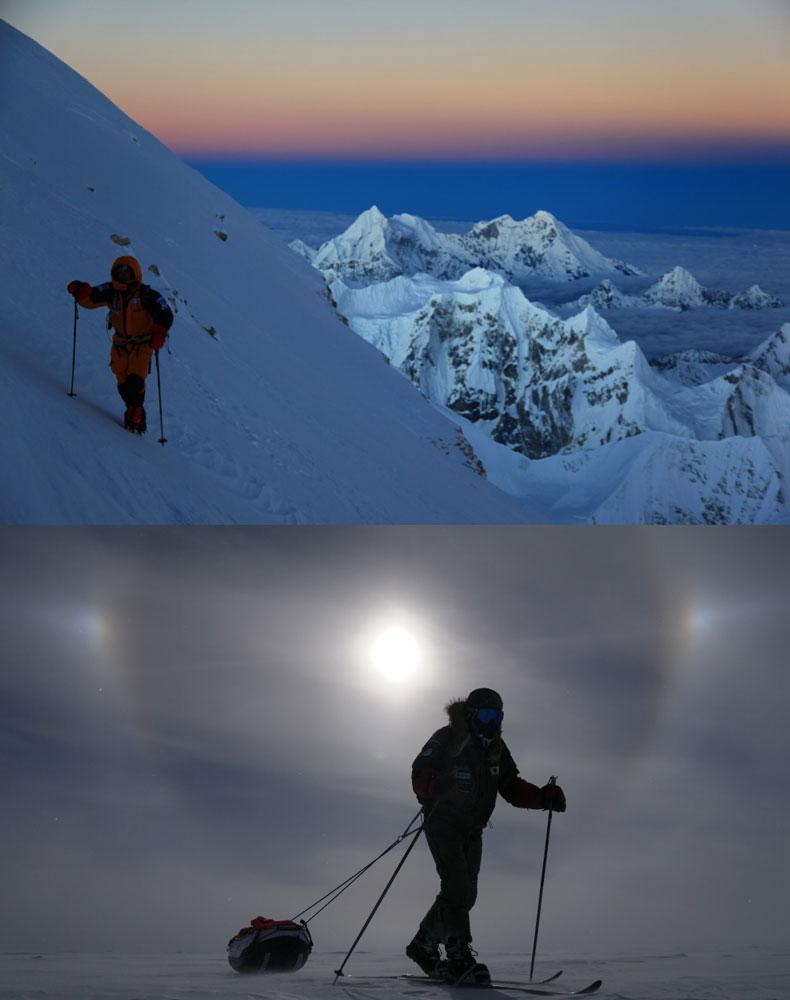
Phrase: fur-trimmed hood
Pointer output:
(137, 271)
(461, 733)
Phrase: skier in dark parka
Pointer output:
(456, 778)
(140, 320)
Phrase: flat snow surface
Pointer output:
(749, 974)
(274, 412)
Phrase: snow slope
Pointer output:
(751, 973)
(274, 412)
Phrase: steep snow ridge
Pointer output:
(745, 402)
(650, 478)
(375, 248)
(677, 289)
(273, 411)
(671, 481)
(773, 356)
(693, 367)
(301, 248)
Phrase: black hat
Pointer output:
(484, 698)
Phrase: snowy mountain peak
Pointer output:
(773, 356)
(371, 218)
(590, 324)
(679, 276)
(374, 248)
(371, 226)
(679, 283)
(755, 298)
(607, 296)
(301, 248)
(478, 279)
(677, 289)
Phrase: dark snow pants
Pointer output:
(456, 848)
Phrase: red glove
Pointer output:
(158, 336)
(76, 288)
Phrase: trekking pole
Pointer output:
(71, 392)
(339, 972)
(162, 439)
(552, 781)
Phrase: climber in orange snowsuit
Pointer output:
(140, 319)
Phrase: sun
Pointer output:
(395, 654)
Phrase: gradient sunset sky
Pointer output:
(501, 79)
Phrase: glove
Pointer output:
(76, 287)
(158, 336)
(553, 798)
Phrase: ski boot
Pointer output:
(134, 419)
(425, 953)
(461, 967)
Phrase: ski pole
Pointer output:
(71, 392)
(162, 439)
(333, 894)
(552, 781)
(339, 972)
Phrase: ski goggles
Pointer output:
(123, 273)
(485, 715)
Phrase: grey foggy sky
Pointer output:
(193, 733)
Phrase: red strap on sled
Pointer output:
(265, 923)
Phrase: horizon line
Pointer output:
(779, 157)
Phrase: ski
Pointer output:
(532, 988)
(535, 982)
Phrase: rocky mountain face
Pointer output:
(539, 384)
(562, 408)
(375, 248)
(549, 389)
(677, 289)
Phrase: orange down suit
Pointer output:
(133, 312)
